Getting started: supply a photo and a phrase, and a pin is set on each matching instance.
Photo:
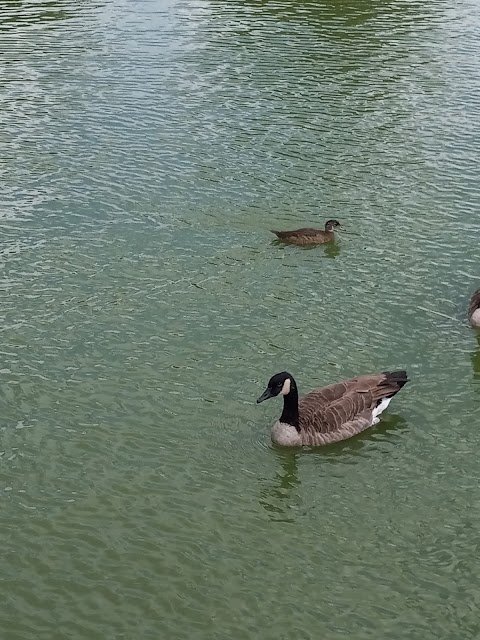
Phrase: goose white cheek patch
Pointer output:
(286, 387)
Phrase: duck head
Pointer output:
(331, 225)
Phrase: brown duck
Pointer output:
(332, 413)
(309, 236)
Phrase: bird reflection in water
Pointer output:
(278, 497)
(475, 358)
(332, 249)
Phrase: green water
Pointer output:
(146, 149)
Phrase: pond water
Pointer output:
(147, 149)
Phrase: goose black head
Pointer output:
(280, 383)
(331, 225)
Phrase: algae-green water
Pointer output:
(146, 150)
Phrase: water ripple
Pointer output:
(146, 152)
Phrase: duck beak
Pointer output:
(265, 395)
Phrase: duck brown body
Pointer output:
(333, 413)
(308, 235)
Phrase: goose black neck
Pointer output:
(290, 413)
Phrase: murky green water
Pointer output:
(146, 150)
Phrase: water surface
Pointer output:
(146, 150)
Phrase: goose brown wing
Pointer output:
(326, 410)
(331, 415)
(326, 395)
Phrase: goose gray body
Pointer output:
(474, 309)
(333, 413)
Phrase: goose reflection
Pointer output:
(389, 429)
(278, 496)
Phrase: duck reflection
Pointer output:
(38, 12)
(329, 249)
(332, 250)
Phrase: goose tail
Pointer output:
(391, 385)
(396, 379)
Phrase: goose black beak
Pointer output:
(265, 395)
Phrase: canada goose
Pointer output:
(309, 236)
(474, 309)
(332, 413)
